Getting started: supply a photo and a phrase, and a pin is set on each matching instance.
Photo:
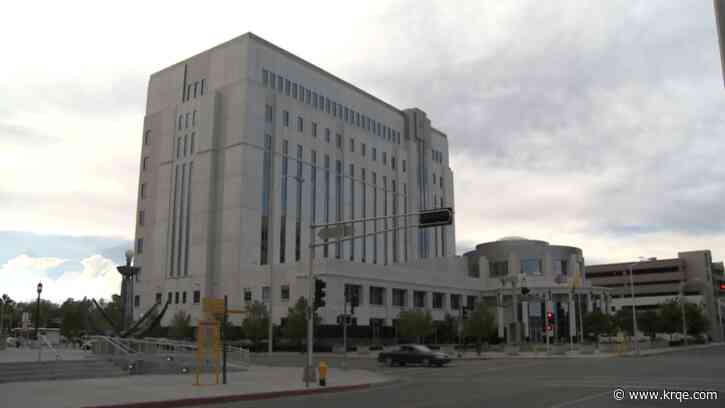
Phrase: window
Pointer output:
(141, 217)
(285, 118)
(143, 190)
(283, 215)
(437, 300)
(169, 297)
(352, 145)
(280, 84)
(247, 295)
(308, 96)
(294, 90)
(473, 269)
(193, 118)
(302, 93)
(183, 297)
(300, 124)
(196, 88)
(265, 293)
(266, 187)
(338, 140)
(560, 267)
(147, 138)
(314, 129)
(327, 105)
(377, 296)
(314, 99)
(392, 162)
(399, 297)
(353, 293)
(375, 154)
(284, 294)
(287, 86)
(499, 268)
(419, 299)
(347, 111)
(193, 134)
(186, 143)
(186, 120)
(455, 302)
(327, 135)
(531, 266)
(145, 163)
(404, 165)
(334, 109)
(265, 77)
(188, 92)
(139, 246)
(136, 301)
(385, 157)
(176, 298)
(434, 179)
(203, 86)
(470, 302)
(268, 113)
(363, 149)
(273, 80)
(158, 298)
(197, 296)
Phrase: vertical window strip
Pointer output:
(283, 213)
(375, 214)
(188, 219)
(395, 222)
(326, 248)
(443, 233)
(266, 181)
(352, 207)
(180, 218)
(338, 206)
(173, 222)
(298, 225)
(313, 188)
(364, 188)
(385, 224)
(405, 223)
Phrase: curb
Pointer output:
(188, 402)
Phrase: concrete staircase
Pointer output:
(58, 370)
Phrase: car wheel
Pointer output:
(389, 361)
(425, 362)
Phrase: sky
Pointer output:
(586, 123)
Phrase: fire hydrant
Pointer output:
(323, 373)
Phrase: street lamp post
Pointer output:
(682, 308)
(37, 309)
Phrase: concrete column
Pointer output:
(525, 319)
(590, 308)
(499, 316)
(389, 306)
(572, 317)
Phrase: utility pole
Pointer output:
(682, 308)
(634, 311)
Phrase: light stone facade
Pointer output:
(214, 172)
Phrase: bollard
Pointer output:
(323, 373)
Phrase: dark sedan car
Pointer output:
(413, 354)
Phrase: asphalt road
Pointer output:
(528, 383)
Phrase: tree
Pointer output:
(7, 312)
(480, 324)
(649, 323)
(296, 327)
(697, 323)
(446, 328)
(670, 317)
(597, 323)
(72, 321)
(622, 321)
(180, 327)
(415, 323)
(256, 323)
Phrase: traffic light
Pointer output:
(319, 293)
(550, 317)
(434, 218)
(465, 312)
(525, 291)
(354, 302)
(722, 287)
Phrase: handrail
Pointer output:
(120, 347)
(162, 345)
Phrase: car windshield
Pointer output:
(422, 348)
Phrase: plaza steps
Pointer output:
(58, 370)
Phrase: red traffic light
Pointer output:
(722, 287)
(550, 316)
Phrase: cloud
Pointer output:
(96, 278)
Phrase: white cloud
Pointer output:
(97, 278)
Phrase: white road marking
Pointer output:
(582, 399)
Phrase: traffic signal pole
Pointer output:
(309, 371)
(344, 334)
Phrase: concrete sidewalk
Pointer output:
(177, 390)
(23, 354)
